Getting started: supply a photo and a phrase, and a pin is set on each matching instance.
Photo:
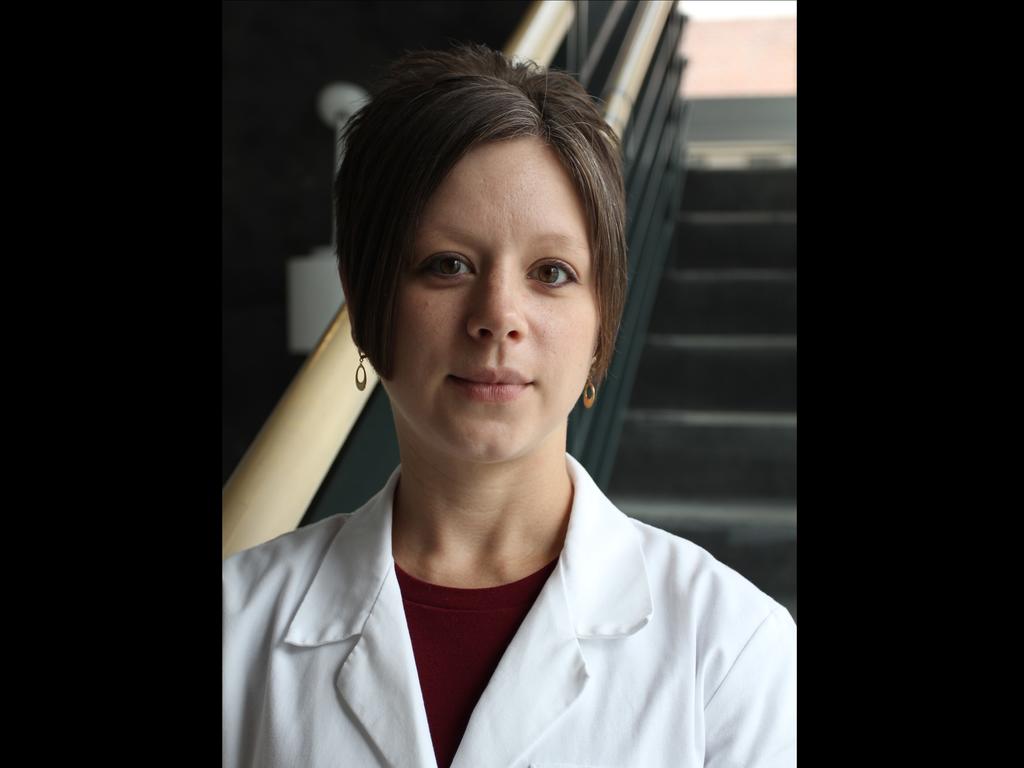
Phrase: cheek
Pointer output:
(426, 324)
(568, 339)
(420, 317)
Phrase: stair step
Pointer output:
(722, 341)
(698, 301)
(707, 454)
(735, 218)
(654, 417)
(730, 275)
(717, 373)
(744, 239)
(740, 189)
(696, 514)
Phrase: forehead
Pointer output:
(516, 189)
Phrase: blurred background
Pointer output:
(696, 429)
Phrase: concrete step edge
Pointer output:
(677, 417)
(720, 341)
(739, 275)
(709, 514)
(735, 218)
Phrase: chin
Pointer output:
(486, 444)
(490, 443)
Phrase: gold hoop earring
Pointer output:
(589, 393)
(361, 385)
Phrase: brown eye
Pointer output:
(451, 269)
(446, 266)
(548, 274)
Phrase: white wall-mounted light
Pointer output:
(314, 293)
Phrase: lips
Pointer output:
(493, 376)
(485, 392)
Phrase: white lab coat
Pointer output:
(641, 650)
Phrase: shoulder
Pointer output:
(716, 608)
(284, 564)
(696, 575)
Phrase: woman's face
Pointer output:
(501, 279)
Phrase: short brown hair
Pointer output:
(428, 110)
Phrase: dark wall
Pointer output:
(278, 156)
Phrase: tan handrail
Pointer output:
(633, 61)
(273, 485)
(541, 31)
(271, 489)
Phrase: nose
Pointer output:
(495, 312)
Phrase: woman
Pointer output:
(490, 606)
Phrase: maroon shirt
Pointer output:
(458, 638)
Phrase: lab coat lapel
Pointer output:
(600, 591)
(379, 683)
(356, 592)
(538, 678)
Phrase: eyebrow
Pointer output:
(555, 238)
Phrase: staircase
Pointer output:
(708, 443)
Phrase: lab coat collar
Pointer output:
(598, 590)
(602, 565)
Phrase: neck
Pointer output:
(473, 525)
